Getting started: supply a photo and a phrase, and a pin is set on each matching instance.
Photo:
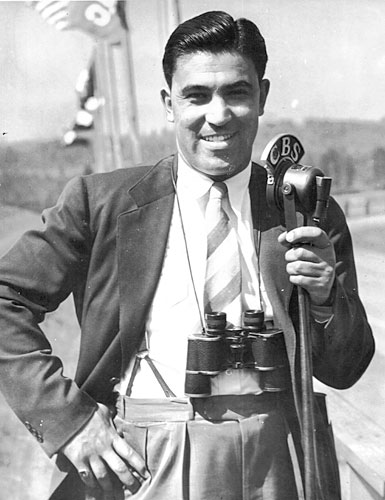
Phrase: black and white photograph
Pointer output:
(192, 198)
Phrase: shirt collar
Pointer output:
(192, 181)
(238, 187)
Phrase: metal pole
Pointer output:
(131, 108)
(309, 449)
(102, 147)
(305, 353)
(114, 133)
(175, 17)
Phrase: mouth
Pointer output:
(218, 138)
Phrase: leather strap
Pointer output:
(143, 354)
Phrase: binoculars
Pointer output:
(253, 346)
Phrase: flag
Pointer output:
(99, 18)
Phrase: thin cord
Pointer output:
(257, 244)
(188, 255)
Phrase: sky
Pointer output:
(326, 60)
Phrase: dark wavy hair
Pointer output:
(216, 32)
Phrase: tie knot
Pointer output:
(218, 190)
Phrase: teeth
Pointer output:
(217, 138)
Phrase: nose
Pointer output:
(218, 112)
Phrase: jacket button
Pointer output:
(114, 380)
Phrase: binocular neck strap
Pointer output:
(201, 317)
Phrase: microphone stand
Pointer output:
(323, 185)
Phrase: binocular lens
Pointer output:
(268, 348)
(197, 385)
(205, 354)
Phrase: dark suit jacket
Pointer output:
(104, 242)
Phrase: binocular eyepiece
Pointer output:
(254, 346)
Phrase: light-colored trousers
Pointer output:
(218, 448)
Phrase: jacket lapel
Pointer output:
(142, 237)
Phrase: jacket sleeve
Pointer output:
(36, 275)
(343, 347)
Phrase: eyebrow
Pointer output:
(199, 88)
(193, 88)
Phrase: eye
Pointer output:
(240, 92)
(197, 97)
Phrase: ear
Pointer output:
(264, 88)
(165, 95)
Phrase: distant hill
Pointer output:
(356, 138)
(351, 152)
(32, 173)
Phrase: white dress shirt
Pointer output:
(175, 313)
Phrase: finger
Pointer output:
(282, 239)
(310, 283)
(307, 269)
(304, 253)
(313, 279)
(102, 476)
(130, 456)
(130, 479)
(313, 284)
(308, 234)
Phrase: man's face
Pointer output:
(215, 102)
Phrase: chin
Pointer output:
(219, 164)
(221, 173)
(226, 167)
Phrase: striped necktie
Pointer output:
(223, 268)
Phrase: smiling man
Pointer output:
(215, 100)
(149, 253)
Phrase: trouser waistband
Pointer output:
(228, 447)
(227, 407)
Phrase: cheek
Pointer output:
(186, 134)
(250, 121)
(188, 118)
(188, 130)
(247, 115)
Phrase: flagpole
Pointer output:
(175, 14)
(131, 107)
